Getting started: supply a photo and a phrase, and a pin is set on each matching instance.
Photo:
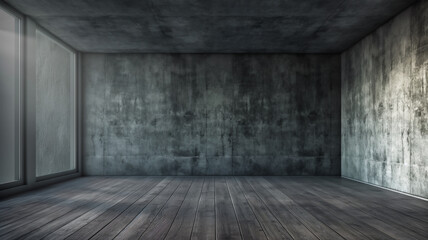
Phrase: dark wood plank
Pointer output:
(87, 204)
(336, 199)
(98, 223)
(119, 223)
(19, 201)
(65, 204)
(383, 195)
(71, 227)
(143, 220)
(247, 220)
(25, 207)
(182, 226)
(204, 227)
(160, 226)
(412, 207)
(226, 223)
(327, 207)
(274, 227)
(317, 227)
(337, 220)
(412, 226)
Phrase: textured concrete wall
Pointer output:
(385, 105)
(197, 114)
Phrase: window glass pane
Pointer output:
(55, 115)
(9, 97)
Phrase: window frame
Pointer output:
(28, 180)
(74, 89)
(19, 96)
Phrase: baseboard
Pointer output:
(389, 189)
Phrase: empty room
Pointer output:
(223, 119)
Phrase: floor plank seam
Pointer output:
(265, 204)
(255, 215)
(362, 211)
(323, 224)
(234, 209)
(329, 210)
(372, 214)
(181, 204)
(267, 207)
(197, 208)
(124, 227)
(154, 185)
(76, 198)
(312, 216)
(88, 203)
(127, 191)
(148, 226)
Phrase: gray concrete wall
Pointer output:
(198, 114)
(385, 105)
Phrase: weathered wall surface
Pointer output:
(385, 105)
(198, 114)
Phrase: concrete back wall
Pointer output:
(214, 114)
(385, 105)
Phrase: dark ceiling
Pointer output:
(224, 26)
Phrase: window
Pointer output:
(55, 106)
(10, 95)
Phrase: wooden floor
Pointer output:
(213, 208)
